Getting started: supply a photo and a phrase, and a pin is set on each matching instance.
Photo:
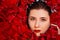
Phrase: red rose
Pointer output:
(58, 37)
(30, 1)
(3, 23)
(58, 1)
(10, 2)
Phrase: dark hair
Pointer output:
(38, 5)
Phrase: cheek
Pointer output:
(44, 26)
(31, 24)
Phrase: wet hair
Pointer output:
(38, 5)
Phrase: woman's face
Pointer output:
(39, 21)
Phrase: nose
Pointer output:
(36, 24)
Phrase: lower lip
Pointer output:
(36, 31)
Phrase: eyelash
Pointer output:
(43, 19)
(32, 18)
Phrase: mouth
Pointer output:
(37, 31)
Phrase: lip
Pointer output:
(37, 31)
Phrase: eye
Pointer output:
(32, 18)
(43, 19)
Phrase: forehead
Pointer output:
(39, 13)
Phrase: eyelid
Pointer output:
(32, 18)
(43, 19)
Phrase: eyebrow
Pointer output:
(43, 18)
(34, 17)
